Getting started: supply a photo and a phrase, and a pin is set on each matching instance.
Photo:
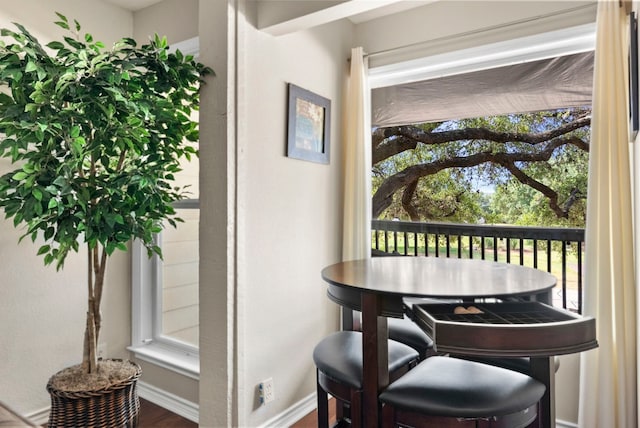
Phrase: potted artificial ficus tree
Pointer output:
(97, 136)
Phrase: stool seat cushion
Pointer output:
(451, 387)
(339, 356)
(406, 331)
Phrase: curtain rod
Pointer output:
(479, 31)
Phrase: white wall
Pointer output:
(42, 311)
(287, 221)
(176, 19)
(218, 382)
(291, 214)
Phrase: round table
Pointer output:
(377, 287)
(438, 278)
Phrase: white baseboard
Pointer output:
(40, 417)
(178, 405)
(565, 424)
(293, 414)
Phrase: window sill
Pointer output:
(176, 360)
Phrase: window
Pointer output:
(165, 310)
(541, 72)
(165, 297)
(177, 317)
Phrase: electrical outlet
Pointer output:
(267, 394)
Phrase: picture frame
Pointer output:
(633, 76)
(308, 125)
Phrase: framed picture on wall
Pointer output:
(309, 125)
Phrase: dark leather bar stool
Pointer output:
(338, 359)
(451, 392)
(405, 331)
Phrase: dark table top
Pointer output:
(438, 277)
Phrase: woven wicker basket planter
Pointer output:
(115, 406)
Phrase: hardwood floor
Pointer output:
(311, 420)
(153, 416)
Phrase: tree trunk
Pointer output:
(96, 273)
(90, 356)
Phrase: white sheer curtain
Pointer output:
(356, 241)
(608, 375)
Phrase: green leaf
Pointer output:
(110, 219)
(44, 249)
(18, 176)
(31, 66)
(48, 259)
(42, 74)
(52, 203)
(60, 181)
(37, 193)
(62, 24)
(48, 234)
(110, 248)
(74, 43)
(78, 144)
(62, 17)
(55, 45)
(157, 250)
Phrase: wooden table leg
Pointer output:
(375, 357)
(543, 370)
